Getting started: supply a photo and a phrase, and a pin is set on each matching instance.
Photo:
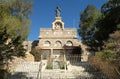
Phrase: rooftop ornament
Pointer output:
(58, 11)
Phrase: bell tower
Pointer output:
(58, 24)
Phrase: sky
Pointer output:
(44, 14)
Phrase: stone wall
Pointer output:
(65, 33)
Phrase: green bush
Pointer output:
(63, 67)
(110, 45)
(49, 66)
(108, 55)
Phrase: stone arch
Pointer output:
(69, 43)
(47, 43)
(58, 43)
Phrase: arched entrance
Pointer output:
(56, 65)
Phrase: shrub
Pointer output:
(107, 55)
(49, 66)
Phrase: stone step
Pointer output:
(31, 70)
(28, 67)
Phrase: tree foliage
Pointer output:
(95, 32)
(110, 20)
(88, 19)
(111, 51)
(36, 52)
(109, 28)
(14, 27)
(106, 34)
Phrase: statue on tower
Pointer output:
(58, 11)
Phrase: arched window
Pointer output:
(58, 44)
(69, 43)
(47, 43)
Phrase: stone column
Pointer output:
(51, 53)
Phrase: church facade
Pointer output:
(56, 43)
(58, 39)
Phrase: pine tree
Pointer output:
(87, 28)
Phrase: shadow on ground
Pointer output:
(19, 75)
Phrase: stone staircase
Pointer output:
(33, 70)
(26, 70)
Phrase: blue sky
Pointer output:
(44, 13)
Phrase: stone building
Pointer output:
(57, 37)
(57, 43)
